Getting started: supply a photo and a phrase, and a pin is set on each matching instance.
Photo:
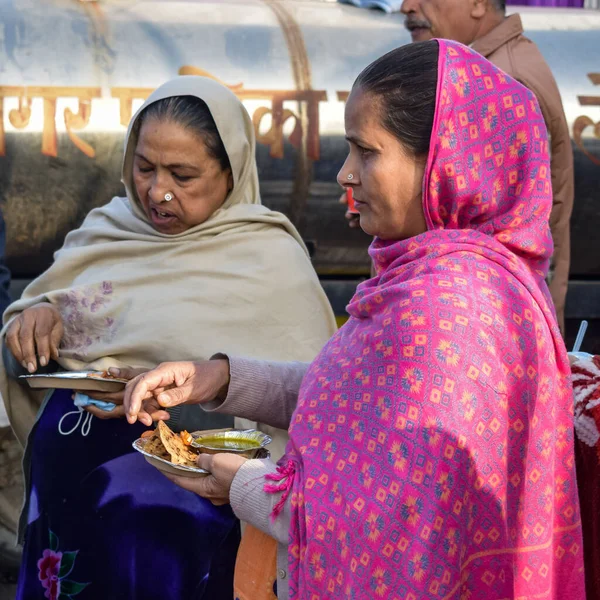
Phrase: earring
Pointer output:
(350, 177)
(168, 197)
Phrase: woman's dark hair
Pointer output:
(404, 82)
(190, 113)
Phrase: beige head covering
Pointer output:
(240, 283)
(235, 128)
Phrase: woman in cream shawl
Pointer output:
(145, 279)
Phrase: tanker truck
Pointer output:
(72, 73)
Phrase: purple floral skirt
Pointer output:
(104, 524)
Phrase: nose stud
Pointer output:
(168, 197)
(350, 177)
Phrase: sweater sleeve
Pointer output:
(253, 505)
(261, 391)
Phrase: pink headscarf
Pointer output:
(431, 452)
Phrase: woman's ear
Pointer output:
(479, 8)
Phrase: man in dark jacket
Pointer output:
(483, 25)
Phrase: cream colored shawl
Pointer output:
(240, 283)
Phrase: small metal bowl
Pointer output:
(249, 443)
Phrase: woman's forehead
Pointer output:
(170, 141)
(362, 110)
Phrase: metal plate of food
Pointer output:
(96, 381)
(177, 453)
(164, 464)
(246, 442)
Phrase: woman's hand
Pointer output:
(223, 468)
(114, 397)
(35, 334)
(171, 384)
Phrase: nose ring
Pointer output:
(168, 197)
(350, 177)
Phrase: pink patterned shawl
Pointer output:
(431, 453)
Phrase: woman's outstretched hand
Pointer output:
(115, 397)
(171, 384)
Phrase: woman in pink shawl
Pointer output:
(431, 441)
